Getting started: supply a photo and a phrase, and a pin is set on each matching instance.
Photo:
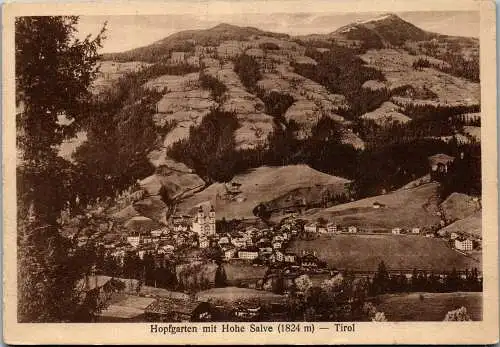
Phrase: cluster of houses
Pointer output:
(199, 232)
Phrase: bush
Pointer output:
(269, 46)
(458, 315)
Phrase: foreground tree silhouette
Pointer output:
(53, 73)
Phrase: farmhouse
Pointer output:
(178, 310)
(352, 229)
(439, 163)
(311, 228)
(396, 231)
(415, 230)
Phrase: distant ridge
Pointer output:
(184, 40)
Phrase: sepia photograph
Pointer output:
(250, 167)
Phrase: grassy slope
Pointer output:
(470, 225)
(415, 207)
(409, 307)
(364, 252)
(259, 185)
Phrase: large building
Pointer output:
(464, 244)
(204, 223)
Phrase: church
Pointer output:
(203, 223)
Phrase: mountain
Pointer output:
(383, 31)
(249, 105)
(185, 41)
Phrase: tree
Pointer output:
(381, 281)
(220, 277)
(53, 73)
(303, 283)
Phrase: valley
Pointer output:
(238, 166)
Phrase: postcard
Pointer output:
(251, 172)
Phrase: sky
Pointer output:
(131, 31)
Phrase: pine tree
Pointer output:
(53, 74)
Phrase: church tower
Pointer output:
(201, 216)
(211, 220)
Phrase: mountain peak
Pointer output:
(384, 30)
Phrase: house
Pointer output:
(453, 236)
(352, 229)
(168, 248)
(248, 253)
(169, 309)
(396, 231)
(239, 242)
(289, 258)
(439, 164)
(322, 230)
(97, 289)
(158, 232)
(277, 245)
(415, 230)
(134, 240)
(331, 228)
(180, 227)
(229, 253)
(277, 256)
(265, 249)
(309, 261)
(278, 238)
(464, 244)
(311, 228)
(178, 57)
(204, 242)
(223, 241)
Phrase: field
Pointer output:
(396, 65)
(399, 252)
(434, 306)
(407, 208)
(259, 185)
(235, 294)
